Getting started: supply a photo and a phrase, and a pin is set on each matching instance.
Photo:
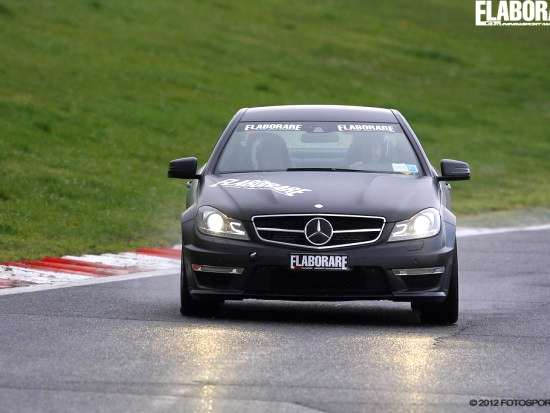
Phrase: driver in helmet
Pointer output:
(370, 152)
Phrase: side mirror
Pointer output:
(454, 170)
(183, 168)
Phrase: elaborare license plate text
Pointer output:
(319, 262)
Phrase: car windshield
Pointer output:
(333, 146)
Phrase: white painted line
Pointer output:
(108, 259)
(92, 281)
(129, 259)
(98, 259)
(462, 232)
(147, 260)
(39, 276)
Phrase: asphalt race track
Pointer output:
(123, 346)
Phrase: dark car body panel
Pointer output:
(341, 193)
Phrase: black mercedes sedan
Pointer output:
(320, 203)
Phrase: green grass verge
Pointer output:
(96, 96)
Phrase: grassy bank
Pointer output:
(96, 96)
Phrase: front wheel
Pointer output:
(189, 304)
(447, 311)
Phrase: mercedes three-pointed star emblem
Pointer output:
(318, 231)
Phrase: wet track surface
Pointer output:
(123, 346)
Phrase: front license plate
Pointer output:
(319, 262)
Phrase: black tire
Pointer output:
(191, 305)
(446, 312)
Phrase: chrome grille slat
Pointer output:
(344, 231)
(281, 230)
(357, 229)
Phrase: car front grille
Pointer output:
(348, 230)
(277, 280)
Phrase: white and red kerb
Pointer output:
(52, 270)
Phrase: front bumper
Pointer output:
(266, 273)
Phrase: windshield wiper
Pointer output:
(249, 171)
(332, 170)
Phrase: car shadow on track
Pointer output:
(329, 313)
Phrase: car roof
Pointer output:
(313, 113)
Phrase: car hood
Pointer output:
(393, 196)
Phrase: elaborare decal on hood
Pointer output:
(261, 184)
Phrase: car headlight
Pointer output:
(426, 223)
(213, 222)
